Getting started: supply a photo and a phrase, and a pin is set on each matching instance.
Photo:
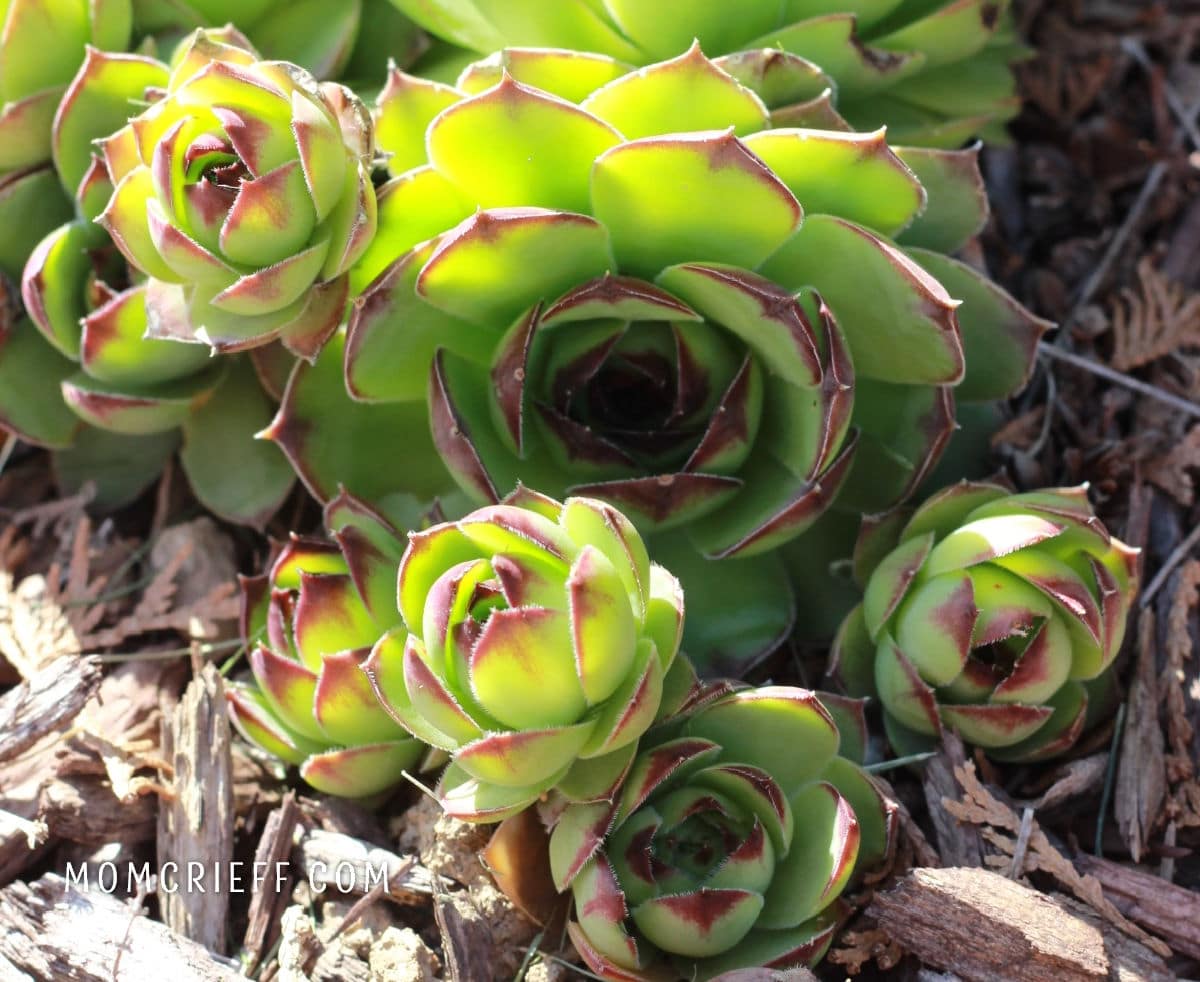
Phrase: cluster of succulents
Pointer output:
(686, 269)
(585, 313)
(102, 365)
(701, 826)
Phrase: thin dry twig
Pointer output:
(1119, 378)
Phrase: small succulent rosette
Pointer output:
(737, 829)
(309, 625)
(935, 72)
(82, 372)
(992, 613)
(539, 635)
(247, 183)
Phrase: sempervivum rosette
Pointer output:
(990, 614)
(933, 71)
(309, 625)
(712, 331)
(347, 39)
(736, 831)
(247, 184)
(42, 43)
(539, 635)
(83, 356)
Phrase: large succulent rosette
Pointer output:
(82, 377)
(713, 331)
(309, 625)
(538, 638)
(735, 832)
(991, 613)
(934, 72)
(350, 38)
(42, 43)
(247, 184)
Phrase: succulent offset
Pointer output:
(81, 371)
(309, 626)
(247, 184)
(992, 613)
(735, 832)
(589, 313)
(935, 72)
(538, 638)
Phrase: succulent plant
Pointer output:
(735, 832)
(538, 638)
(934, 71)
(590, 314)
(309, 625)
(330, 40)
(82, 363)
(247, 184)
(992, 613)
(42, 43)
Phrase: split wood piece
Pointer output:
(341, 863)
(1141, 771)
(269, 900)
(50, 930)
(196, 825)
(83, 809)
(1161, 907)
(985, 927)
(45, 703)
(467, 946)
(958, 843)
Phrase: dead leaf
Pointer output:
(857, 948)
(1064, 88)
(1171, 471)
(1075, 779)
(518, 858)
(208, 568)
(1158, 317)
(34, 630)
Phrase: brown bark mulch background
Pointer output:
(1088, 868)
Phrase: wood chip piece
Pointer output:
(336, 862)
(45, 703)
(958, 843)
(467, 944)
(1162, 908)
(268, 900)
(988, 928)
(1141, 772)
(52, 931)
(197, 826)
(84, 809)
